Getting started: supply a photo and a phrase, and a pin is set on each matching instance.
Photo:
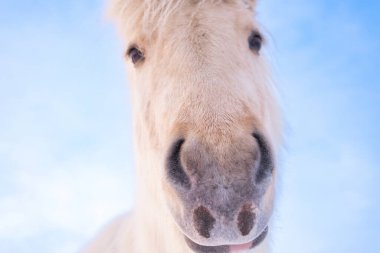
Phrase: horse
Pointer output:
(206, 125)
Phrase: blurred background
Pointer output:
(66, 164)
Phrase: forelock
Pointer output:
(150, 15)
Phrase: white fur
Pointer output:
(187, 42)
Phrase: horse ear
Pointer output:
(251, 4)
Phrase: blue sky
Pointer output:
(65, 130)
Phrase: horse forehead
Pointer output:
(216, 17)
(212, 17)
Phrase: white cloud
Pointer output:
(72, 197)
(329, 183)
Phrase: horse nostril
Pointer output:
(203, 221)
(246, 219)
(266, 166)
(174, 167)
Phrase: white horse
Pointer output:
(206, 128)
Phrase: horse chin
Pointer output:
(227, 248)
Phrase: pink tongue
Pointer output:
(241, 247)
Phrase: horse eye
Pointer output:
(135, 55)
(255, 41)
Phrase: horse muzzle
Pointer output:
(225, 195)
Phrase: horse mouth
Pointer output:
(227, 248)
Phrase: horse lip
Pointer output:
(259, 239)
(225, 248)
